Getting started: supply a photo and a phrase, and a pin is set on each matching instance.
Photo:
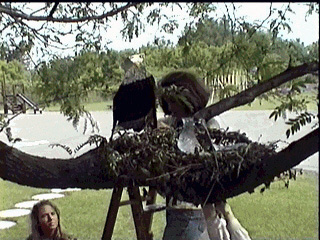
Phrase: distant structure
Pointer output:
(17, 102)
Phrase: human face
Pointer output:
(48, 220)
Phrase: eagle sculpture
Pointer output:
(180, 95)
(134, 104)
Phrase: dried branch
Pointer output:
(89, 171)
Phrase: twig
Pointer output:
(202, 121)
(53, 9)
(207, 198)
(239, 166)
(175, 171)
(8, 121)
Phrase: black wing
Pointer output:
(134, 105)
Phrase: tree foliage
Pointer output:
(69, 81)
(209, 30)
(208, 47)
(14, 72)
(46, 25)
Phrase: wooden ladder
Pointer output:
(142, 216)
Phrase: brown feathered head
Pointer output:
(182, 94)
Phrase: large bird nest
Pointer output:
(153, 158)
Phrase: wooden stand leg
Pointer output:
(149, 215)
(138, 214)
(142, 219)
(112, 213)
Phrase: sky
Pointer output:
(306, 29)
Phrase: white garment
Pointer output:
(187, 141)
(219, 229)
(237, 232)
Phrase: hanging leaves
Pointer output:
(299, 121)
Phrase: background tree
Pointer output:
(76, 78)
(245, 47)
(73, 76)
(209, 30)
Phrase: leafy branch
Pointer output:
(291, 105)
(4, 125)
(14, 13)
(94, 139)
(301, 120)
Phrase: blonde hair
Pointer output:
(36, 231)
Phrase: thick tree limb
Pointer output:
(86, 171)
(250, 94)
(25, 169)
(289, 157)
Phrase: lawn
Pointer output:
(257, 104)
(278, 213)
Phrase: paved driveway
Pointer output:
(40, 130)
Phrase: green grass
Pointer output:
(281, 213)
(94, 106)
(257, 104)
(263, 104)
(278, 213)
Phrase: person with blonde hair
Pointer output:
(45, 222)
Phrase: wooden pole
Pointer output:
(14, 94)
(24, 107)
(4, 94)
(149, 216)
(140, 221)
(112, 213)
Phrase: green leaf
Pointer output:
(272, 114)
(288, 133)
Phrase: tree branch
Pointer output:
(25, 169)
(271, 167)
(86, 171)
(23, 16)
(250, 94)
(53, 9)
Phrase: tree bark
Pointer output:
(250, 94)
(86, 171)
(269, 168)
(25, 169)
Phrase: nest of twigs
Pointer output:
(153, 158)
